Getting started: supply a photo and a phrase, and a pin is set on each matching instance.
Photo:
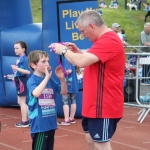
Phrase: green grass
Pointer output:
(36, 12)
(130, 21)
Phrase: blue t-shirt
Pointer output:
(22, 63)
(42, 110)
(72, 82)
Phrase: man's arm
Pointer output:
(81, 60)
(75, 56)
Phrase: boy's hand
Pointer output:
(47, 73)
(14, 67)
(59, 73)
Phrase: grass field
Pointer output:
(130, 21)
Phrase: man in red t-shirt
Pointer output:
(104, 66)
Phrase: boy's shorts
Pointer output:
(100, 129)
(43, 140)
(21, 87)
(69, 96)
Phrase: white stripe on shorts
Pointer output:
(105, 129)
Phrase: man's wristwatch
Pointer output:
(64, 51)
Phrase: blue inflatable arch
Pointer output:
(16, 23)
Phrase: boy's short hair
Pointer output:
(35, 56)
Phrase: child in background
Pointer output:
(102, 4)
(147, 8)
(42, 108)
(21, 70)
(123, 35)
(72, 84)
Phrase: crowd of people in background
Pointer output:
(134, 4)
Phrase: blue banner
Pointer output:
(68, 14)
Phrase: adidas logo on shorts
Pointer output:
(96, 136)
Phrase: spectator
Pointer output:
(147, 8)
(21, 70)
(111, 4)
(101, 110)
(123, 35)
(72, 85)
(102, 4)
(116, 28)
(139, 4)
(145, 41)
(99, 11)
(116, 5)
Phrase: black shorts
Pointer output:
(100, 129)
(43, 140)
(21, 85)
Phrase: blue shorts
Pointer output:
(69, 96)
(100, 129)
(43, 140)
(21, 87)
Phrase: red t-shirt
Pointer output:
(103, 81)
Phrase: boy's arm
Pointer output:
(59, 73)
(40, 88)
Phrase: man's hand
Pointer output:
(57, 48)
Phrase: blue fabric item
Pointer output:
(133, 59)
(42, 110)
(125, 81)
(145, 99)
(72, 85)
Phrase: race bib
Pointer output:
(47, 98)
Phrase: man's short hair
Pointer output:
(146, 24)
(90, 16)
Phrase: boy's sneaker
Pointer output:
(22, 124)
(72, 120)
(64, 123)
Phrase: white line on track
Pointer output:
(146, 142)
(126, 127)
(135, 122)
(60, 136)
(128, 145)
(72, 131)
(27, 141)
(130, 115)
(10, 116)
(6, 145)
(55, 138)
